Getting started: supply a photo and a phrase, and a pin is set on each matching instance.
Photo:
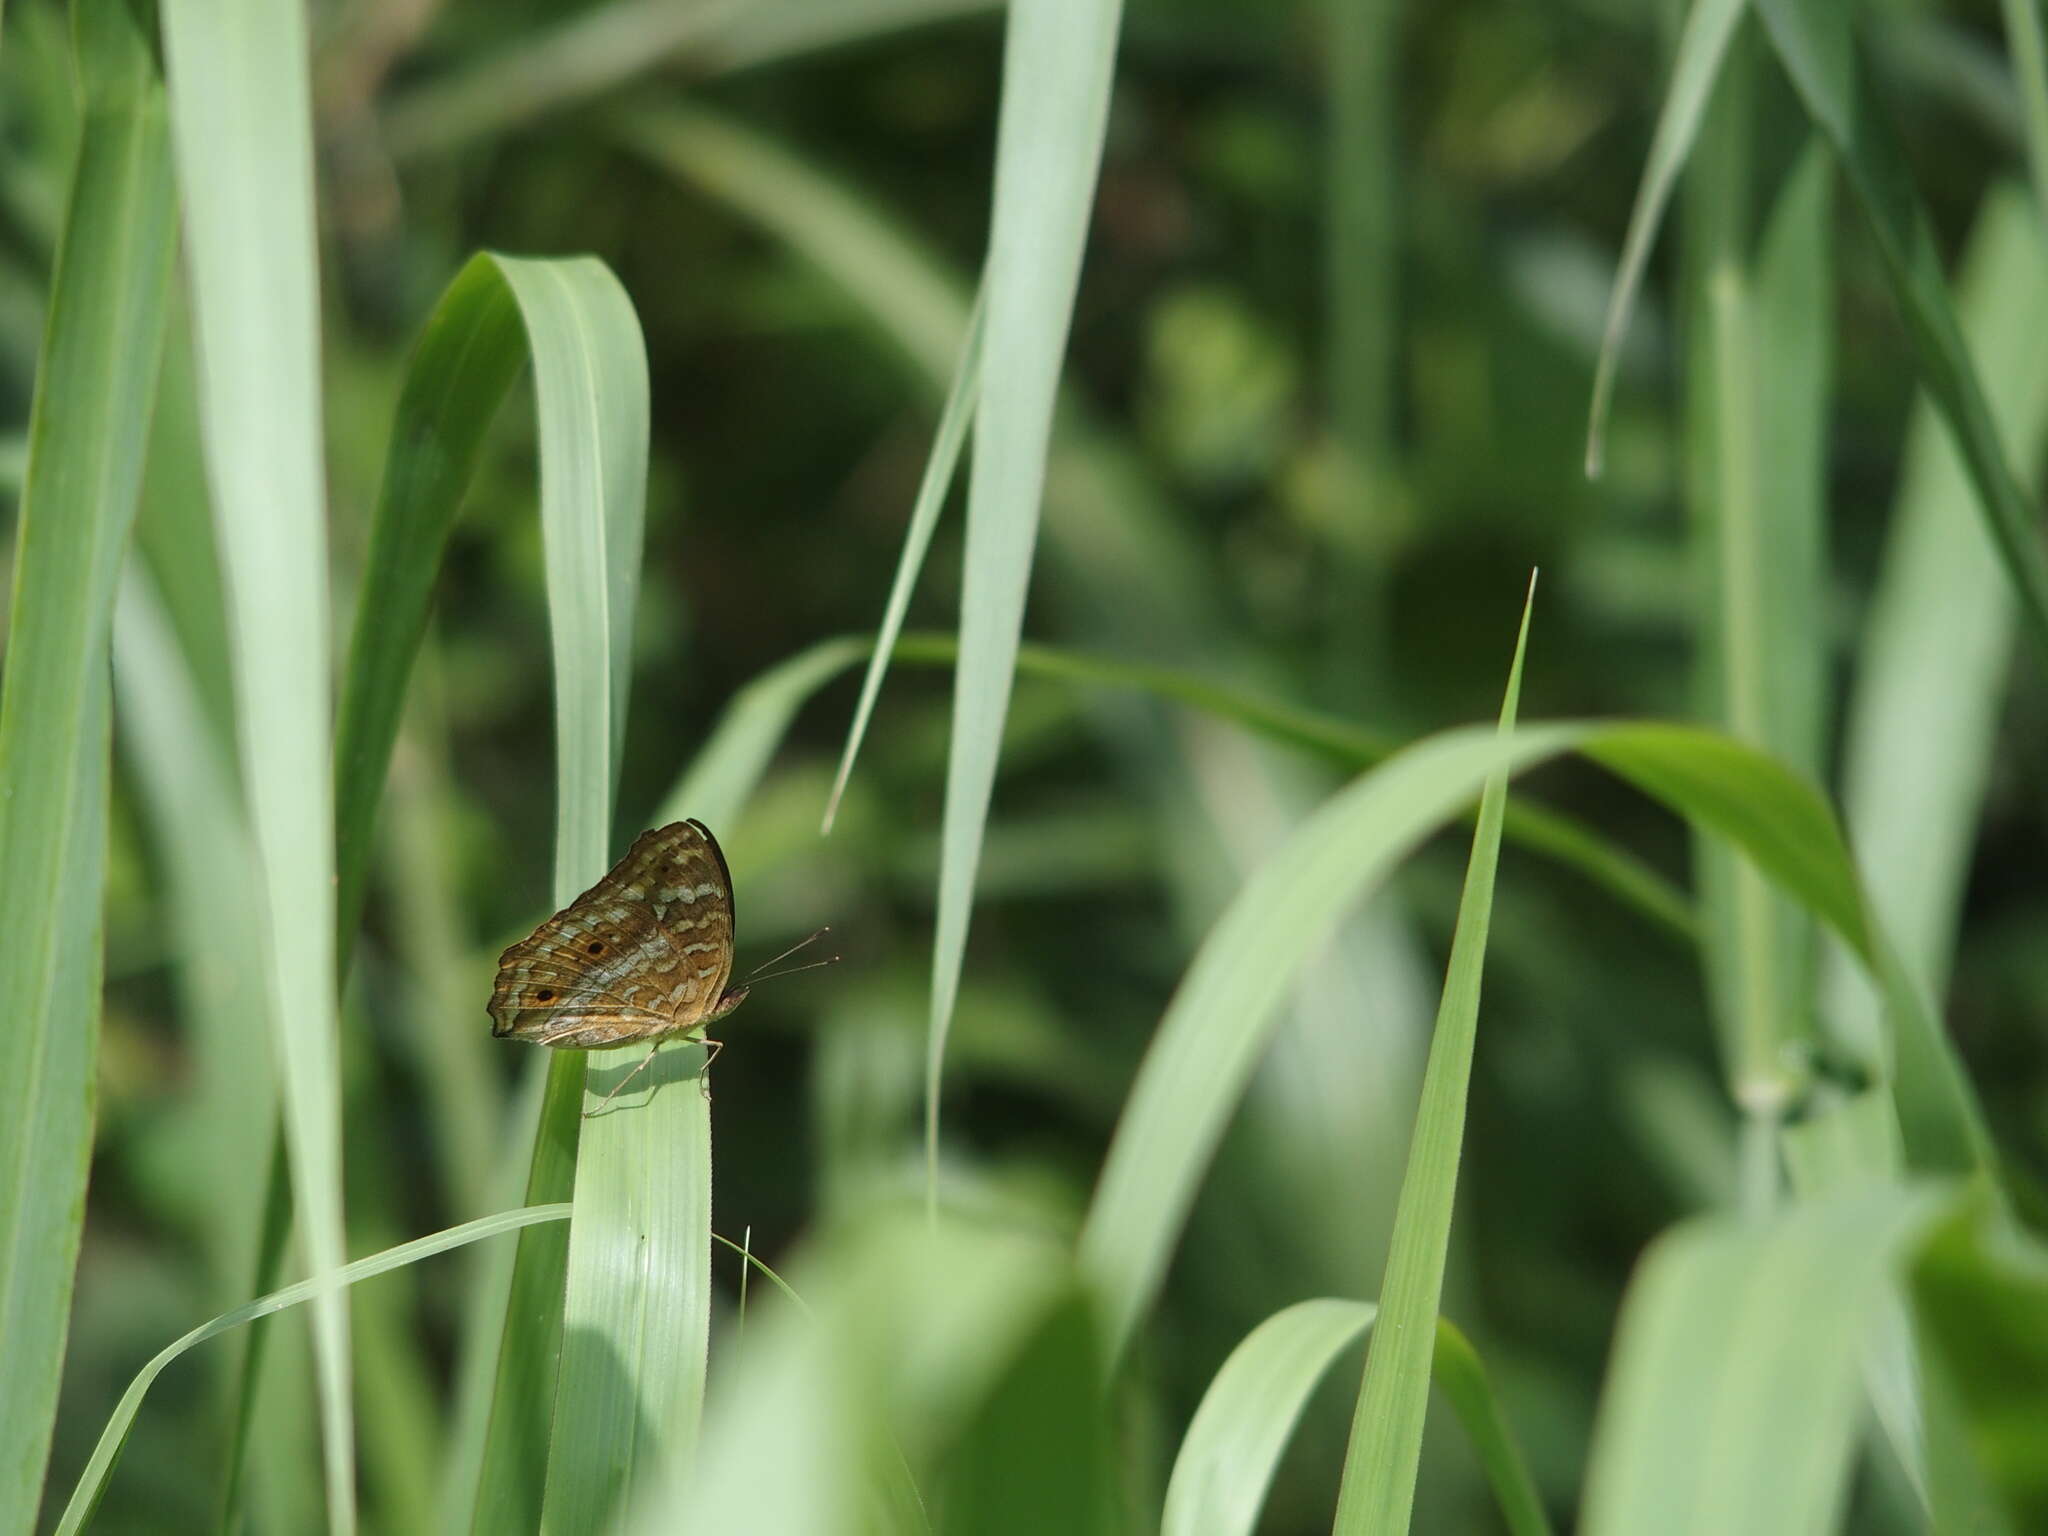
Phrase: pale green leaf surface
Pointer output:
(93, 1480)
(241, 118)
(1731, 1399)
(1378, 1489)
(102, 340)
(1058, 64)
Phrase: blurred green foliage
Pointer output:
(1379, 582)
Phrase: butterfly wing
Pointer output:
(643, 954)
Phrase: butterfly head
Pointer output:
(732, 998)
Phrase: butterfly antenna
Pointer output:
(799, 944)
(815, 965)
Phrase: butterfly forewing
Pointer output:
(644, 953)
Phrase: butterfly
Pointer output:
(644, 954)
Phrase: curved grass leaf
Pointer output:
(89, 424)
(1210, 1038)
(462, 367)
(92, 1481)
(1814, 42)
(1233, 1443)
(575, 324)
(1378, 1491)
(1058, 64)
(1731, 1401)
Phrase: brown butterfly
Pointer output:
(644, 954)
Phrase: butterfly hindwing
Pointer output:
(642, 954)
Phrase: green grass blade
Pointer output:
(92, 1481)
(1924, 712)
(241, 118)
(1214, 1028)
(102, 341)
(1378, 1490)
(1814, 42)
(590, 382)
(1702, 47)
(1248, 1413)
(463, 365)
(1057, 69)
(731, 762)
(924, 519)
(1731, 1401)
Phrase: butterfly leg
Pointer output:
(704, 1072)
(644, 1060)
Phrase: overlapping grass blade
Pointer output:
(1923, 714)
(1378, 1490)
(92, 1481)
(241, 117)
(1461, 1376)
(1206, 1045)
(1057, 68)
(1731, 1400)
(1702, 47)
(924, 519)
(1816, 45)
(102, 341)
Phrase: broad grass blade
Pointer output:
(241, 114)
(102, 341)
(1731, 1401)
(590, 383)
